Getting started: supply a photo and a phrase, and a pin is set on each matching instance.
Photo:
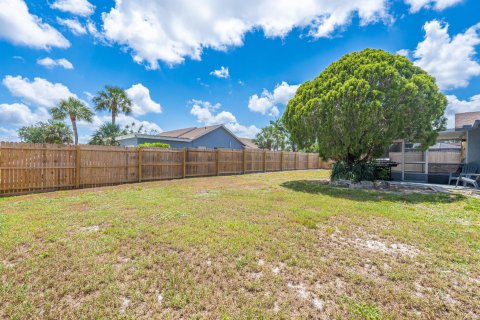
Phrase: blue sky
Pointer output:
(172, 57)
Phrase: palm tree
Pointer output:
(114, 99)
(106, 135)
(74, 109)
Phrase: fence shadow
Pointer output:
(320, 187)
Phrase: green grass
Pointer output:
(276, 245)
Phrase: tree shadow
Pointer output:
(321, 187)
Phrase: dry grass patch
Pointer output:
(239, 247)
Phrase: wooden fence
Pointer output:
(28, 168)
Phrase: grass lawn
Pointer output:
(275, 245)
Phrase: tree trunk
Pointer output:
(74, 127)
(114, 112)
(113, 117)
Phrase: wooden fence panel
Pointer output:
(28, 167)
(313, 161)
(230, 161)
(102, 166)
(289, 161)
(324, 164)
(273, 161)
(302, 159)
(254, 160)
(201, 162)
(160, 164)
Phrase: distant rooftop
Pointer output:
(467, 119)
(249, 144)
(191, 133)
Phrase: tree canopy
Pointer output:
(46, 132)
(113, 99)
(363, 102)
(106, 135)
(75, 110)
(274, 137)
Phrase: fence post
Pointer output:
(308, 157)
(295, 161)
(218, 162)
(265, 161)
(244, 162)
(77, 166)
(281, 160)
(184, 163)
(139, 164)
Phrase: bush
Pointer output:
(382, 173)
(154, 145)
(356, 171)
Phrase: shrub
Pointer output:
(355, 171)
(154, 145)
(382, 173)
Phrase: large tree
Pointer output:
(274, 137)
(363, 102)
(75, 110)
(113, 99)
(46, 132)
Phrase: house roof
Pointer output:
(249, 144)
(189, 133)
(185, 134)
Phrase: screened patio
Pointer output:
(453, 148)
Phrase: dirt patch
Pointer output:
(318, 304)
(300, 290)
(88, 229)
(255, 275)
(9, 264)
(302, 293)
(125, 304)
(393, 249)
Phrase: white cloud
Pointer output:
(221, 73)
(450, 60)
(51, 63)
(20, 114)
(416, 5)
(284, 92)
(403, 52)
(79, 7)
(243, 131)
(39, 91)
(74, 25)
(457, 106)
(204, 111)
(122, 120)
(170, 31)
(142, 102)
(8, 134)
(267, 102)
(20, 27)
(263, 104)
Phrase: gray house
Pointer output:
(210, 137)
